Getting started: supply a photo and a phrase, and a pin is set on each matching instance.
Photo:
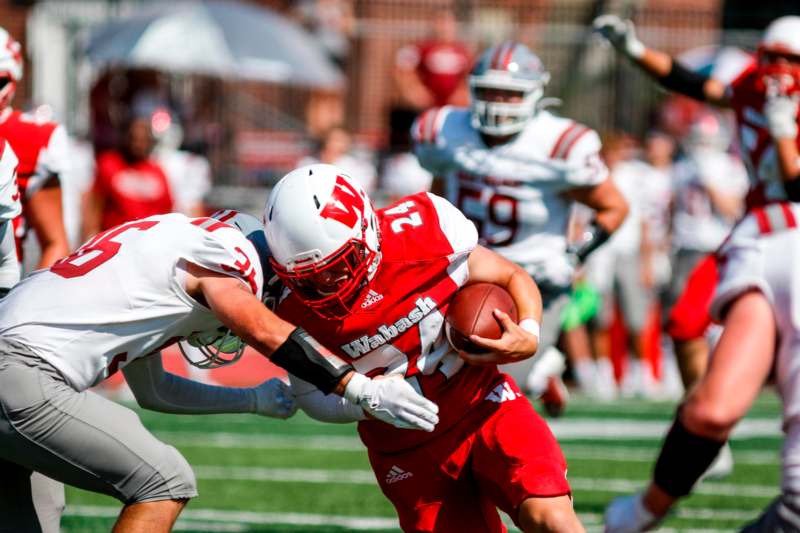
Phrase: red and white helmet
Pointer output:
(10, 67)
(323, 234)
(509, 66)
(781, 40)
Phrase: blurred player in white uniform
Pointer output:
(10, 208)
(756, 295)
(758, 303)
(515, 169)
(113, 305)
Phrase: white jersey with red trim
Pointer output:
(397, 328)
(514, 192)
(121, 296)
(763, 253)
(696, 223)
(10, 205)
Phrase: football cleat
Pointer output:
(627, 514)
(555, 396)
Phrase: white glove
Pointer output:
(392, 400)
(781, 111)
(621, 34)
(275, 399)
(626, 514)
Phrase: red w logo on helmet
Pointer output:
(346, 205)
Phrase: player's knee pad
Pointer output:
(171, 479)
(683, 459)
(184, 483)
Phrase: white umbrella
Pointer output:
(220, 38)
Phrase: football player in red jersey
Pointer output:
(764, 98)
(379, 284)
(41, 148)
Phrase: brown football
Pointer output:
(471, 313)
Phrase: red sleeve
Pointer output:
(104, 169)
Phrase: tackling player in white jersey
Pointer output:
(113, 305)
(515, 170)
(758, 303)
(10, 208)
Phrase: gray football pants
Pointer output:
(78, 438)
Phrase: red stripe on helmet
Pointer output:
(508, 55)
(496, 55)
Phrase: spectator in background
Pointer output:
(431, 72)
(129, 183)
(335, 148)
(188, 174)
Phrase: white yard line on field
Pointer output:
(222, 520)
(569, 429)
(366, 477)
(629, 454)
(247, 517)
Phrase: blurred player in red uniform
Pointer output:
(764, 98)
(129, 184)
(379, 284)
(41, 147)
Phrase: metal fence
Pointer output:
(259, 129)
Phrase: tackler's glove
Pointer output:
(392, 400)
(275, 399)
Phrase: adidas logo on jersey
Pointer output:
(397, 474)
(502, 393)
(386, 333)
(371, 299)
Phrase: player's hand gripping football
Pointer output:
(394, 401)
(275, 399)
(621, 34)
(514, 345)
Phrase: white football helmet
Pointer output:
(509, 66)
(220, 347)
(323, 234)
(709, 131)
(10, 67)
(779, 50)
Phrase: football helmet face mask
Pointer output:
(323, 234)
(779, 53)
(506, 85)
(10, 67)
(221, 347)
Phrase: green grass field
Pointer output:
(264, 475)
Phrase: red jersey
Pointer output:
(757, 147)
(41, 148)
(131, 190)
(440, 66)
(398, 326)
